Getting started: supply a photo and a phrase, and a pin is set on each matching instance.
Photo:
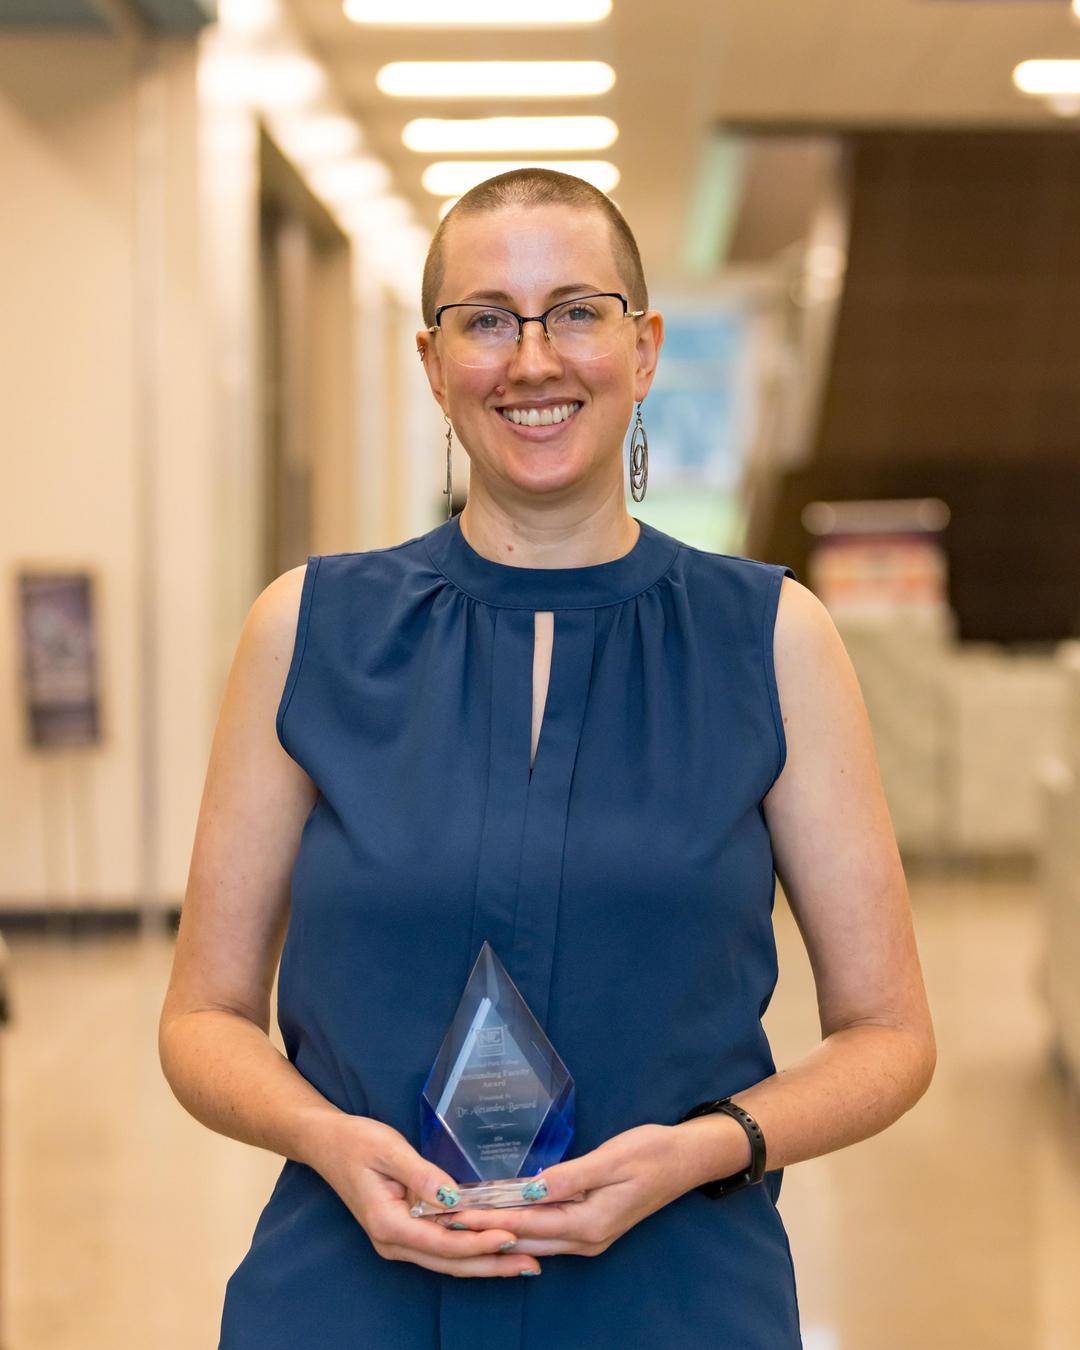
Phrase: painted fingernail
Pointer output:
(457, 1225)
(535, 1190)
(528, 1271)
(505, 1246)
(446, 1195)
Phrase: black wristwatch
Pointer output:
(751, 1175)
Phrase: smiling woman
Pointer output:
(605, 740)
(510, 334)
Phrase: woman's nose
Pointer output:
(535, 354)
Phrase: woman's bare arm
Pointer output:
(837, 859)
(214, 1029)
(213, 1033)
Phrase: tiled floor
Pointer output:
(957, 1229)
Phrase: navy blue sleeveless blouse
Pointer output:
(626, 882)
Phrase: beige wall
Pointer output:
(130, 388)
(104, 456)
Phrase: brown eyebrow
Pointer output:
(573, 288)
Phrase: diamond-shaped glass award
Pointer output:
(498, 1104)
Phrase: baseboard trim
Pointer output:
(72, 921)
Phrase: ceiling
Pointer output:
(688, 67)
(170, 16)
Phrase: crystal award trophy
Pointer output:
(498, 1104)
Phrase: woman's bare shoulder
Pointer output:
(820, 700)
(270, 628)
(802, 620)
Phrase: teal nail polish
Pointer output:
(457, 1225)
(535, 1190)
(446, 1195)
(528, 1271)
(505, 1246)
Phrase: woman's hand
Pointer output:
(378, 1173)
(625, 1179)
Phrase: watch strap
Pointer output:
(749, 1175)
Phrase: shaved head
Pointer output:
(535, 187)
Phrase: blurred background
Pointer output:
(862, 225)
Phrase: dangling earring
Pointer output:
(449, 489)
(639, 459)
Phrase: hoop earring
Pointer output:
(448, 491)
(639, 459)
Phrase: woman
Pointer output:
(546, 724)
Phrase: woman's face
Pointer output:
(528, 253)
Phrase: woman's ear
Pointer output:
(650, 339)
(429, 357)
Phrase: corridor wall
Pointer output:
(105, 458)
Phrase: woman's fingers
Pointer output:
(548, 1219)
(491, 1252)
(487, 1250)
(424, 1236)
(487, 1266)
(550, 1229)
(398, 1159)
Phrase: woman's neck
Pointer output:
(548, 538)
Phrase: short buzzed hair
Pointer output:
(536, 187)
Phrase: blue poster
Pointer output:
(699, 417)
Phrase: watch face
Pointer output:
(718, 1189)
(702, 1109)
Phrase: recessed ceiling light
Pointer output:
(439, 135)
(487, 13)
(447, 178)
(495, 79)
(351, 179)
(378, 215)
(279, 80)
(1047, 77)
(311, 140)
(248, 16)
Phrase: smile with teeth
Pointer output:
(539, 417)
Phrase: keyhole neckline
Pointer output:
(551, 587)
(550, 644)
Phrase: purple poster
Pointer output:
(59, 658)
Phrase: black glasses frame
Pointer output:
(541, 319)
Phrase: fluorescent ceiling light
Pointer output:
(281, 80)
(494, 79)
(310, 140)
(248, 16)
(350, 180)
(408, 244)
(375, 215)
(448, 178)
(1047, 77)
(488, 13)
(437, 135)
(398, 256)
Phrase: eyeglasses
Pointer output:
(583, 329)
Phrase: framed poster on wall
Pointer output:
(59, 658)
(701, 413)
